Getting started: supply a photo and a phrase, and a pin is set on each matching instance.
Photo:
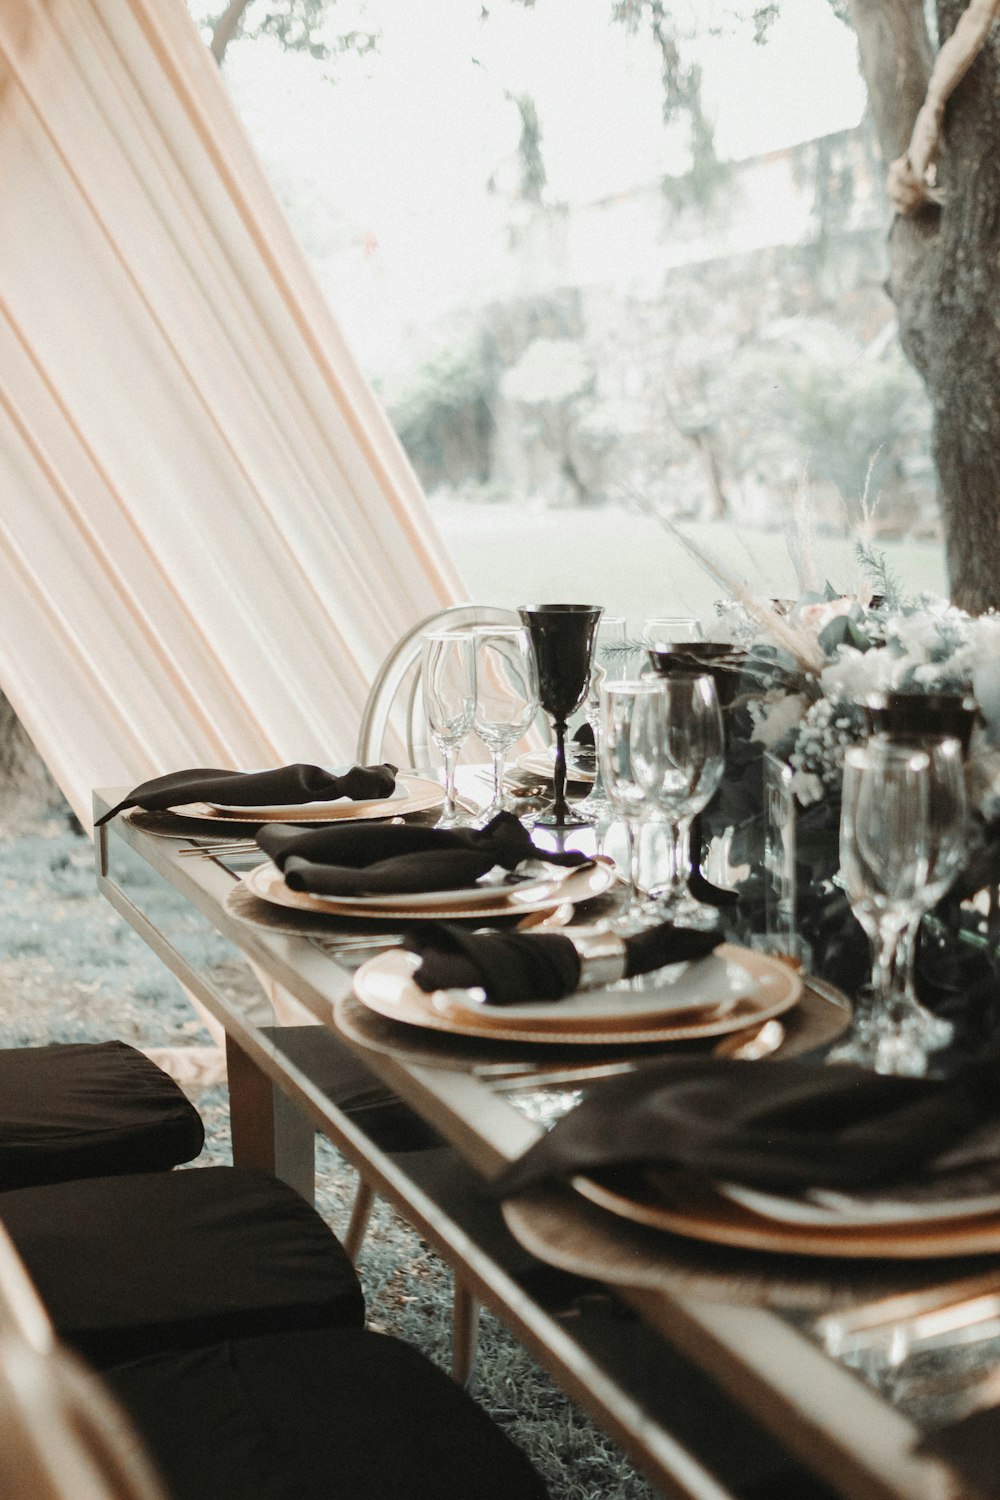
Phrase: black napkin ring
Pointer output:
(602, 957)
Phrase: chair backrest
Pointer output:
(63, 1437)
(395, 693)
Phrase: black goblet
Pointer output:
(562, 637)
(923, 716)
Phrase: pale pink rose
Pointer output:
(818, 616)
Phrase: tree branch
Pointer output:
(895, 54)
(911, 180)
(226, 28)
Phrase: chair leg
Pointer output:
(464, 1334)
(364, 1200)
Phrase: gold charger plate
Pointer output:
(385, 985)
(575, 885)
(682, 1205)
(419, 794)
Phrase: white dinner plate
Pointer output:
(845, 1209)
(411, 794)
(601, 1016)
(575, 884)
(318, 808)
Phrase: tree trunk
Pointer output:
(226, 28)
(945, 274)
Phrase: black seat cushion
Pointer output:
(128, 1266)
(89, 1109)
(327, 1415)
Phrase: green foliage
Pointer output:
(879, 574)
(303, 26)
(529, 149)
(447, 403)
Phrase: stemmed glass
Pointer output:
(663, 631)
(897, 837)
(448, 681)
(947, 812)
(506, 697)
(692, 766)
(610, 650)
(631, 751)
(562, 637)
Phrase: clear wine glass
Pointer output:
(946, 850)
(631, 750)
(506, 698)
(884, 865)
(610, 653)
(662, 631)
(448, 682)
(692, 767)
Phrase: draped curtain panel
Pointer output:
(209, 534)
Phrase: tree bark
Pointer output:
(944, 274)
(226, 28)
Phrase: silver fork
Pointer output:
(223, 846)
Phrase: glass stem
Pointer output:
(598, 789)
(887, 971)
(632, 860)
(450, 754)
(560, 809)
(681, 854)
(497, 756)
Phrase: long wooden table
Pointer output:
(706, 1396)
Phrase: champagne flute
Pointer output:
(631, 750)
(610, 649)
(884, 864)
(946, 850)
(692, 766)
(506, 698)
(448, 681)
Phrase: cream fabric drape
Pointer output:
(209, 535)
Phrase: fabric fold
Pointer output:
(382, 859)
(516, 968)
(788, 1125)
(283, 785)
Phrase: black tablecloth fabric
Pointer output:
(278, 787)
(129, 1266)
(386, 858)
(972, 1447)
(515, 968)
(89, 1109)
(335, 1414)
(788, 1125)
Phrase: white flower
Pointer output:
(780, 714)
(806, 788)
(857, 674)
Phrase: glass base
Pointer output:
(547, 819)
(684, 911)
(595, 809)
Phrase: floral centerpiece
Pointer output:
(809, 672)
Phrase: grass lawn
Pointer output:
(510, 555)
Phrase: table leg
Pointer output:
(268, 1131)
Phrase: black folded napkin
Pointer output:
(515, 968)
(398, 858)
(788, 1125)
(285, 784)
